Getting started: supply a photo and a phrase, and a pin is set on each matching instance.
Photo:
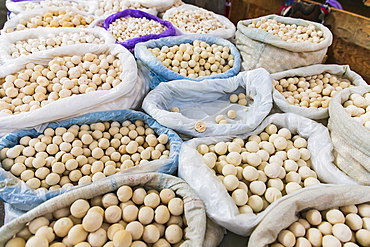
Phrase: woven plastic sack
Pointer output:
(350, 139)
(128, 94)
(342, 71)
(12, 38)
(220, 206)
(155, 72)
(260, 49)
(200, 231)
(16, 7)
(204, 101)
(130, 44)
(227, 33)
(285, 213)
(17, 193)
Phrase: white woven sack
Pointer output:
(227, 33)
(128, 94)
(159, 5)
(26, 15)
(220, 206)
(350, 139)
(17, 7)
(260, 49)
(203, 101)
(199, 228)
(342, 71)
(285, 213)
(11, 38)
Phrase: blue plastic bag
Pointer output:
(19, 195)
(130, 44)
(155, 72)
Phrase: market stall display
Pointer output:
(307, 91)
(262, 49)
(93, 215)
(82, 150)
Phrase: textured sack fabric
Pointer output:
(204, 101)
(194, 210)
(155, 72)
(130, 44)
(342, 71)
(227, 33)
(285, 213)
(350, 139)
(260, 49)
(17, 193)
(220, 206)
(11, 38)
(128, 94)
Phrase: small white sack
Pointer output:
(342, 71)
(203, 101)
(227, 33)
(260, 49)
(11, 38)
(128, 94)
(17, 7)
(220, 206)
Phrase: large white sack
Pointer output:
(20, 6)
(11, 38)
(342, 71)
(227, 33)
(128, 94)
(203, 101)
(285, 213)
(220, 206)
(200, 231)
(350, 138)
(260, 49)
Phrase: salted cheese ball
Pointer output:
(77, 155)
(260, 170)
(357, 107)
(130, 216)
(313, 91)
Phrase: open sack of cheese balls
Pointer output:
(53, 91)
(42, 163)
(107, 213)
(242, 178)
(327, 216)
(229, 106)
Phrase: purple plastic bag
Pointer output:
(130, 44)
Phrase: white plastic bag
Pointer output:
(198, 226)
(11, 38)
(260, 49)
(17, 7)
(220, 206)
(342, 71)
(227, 33)
(203, 101)
(128, 94)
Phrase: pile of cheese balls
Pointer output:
(55, 3)
(30, 46)
(347, 226)
(39, 85)
(62, 18)
(195, 60)
(357, 106)
(195, 21)
(108, 7)
(261, 170)
(82, 154)
(313, 91)
(127, 217)
(289, 33)
(127, 28)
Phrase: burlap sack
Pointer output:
(285, 213)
